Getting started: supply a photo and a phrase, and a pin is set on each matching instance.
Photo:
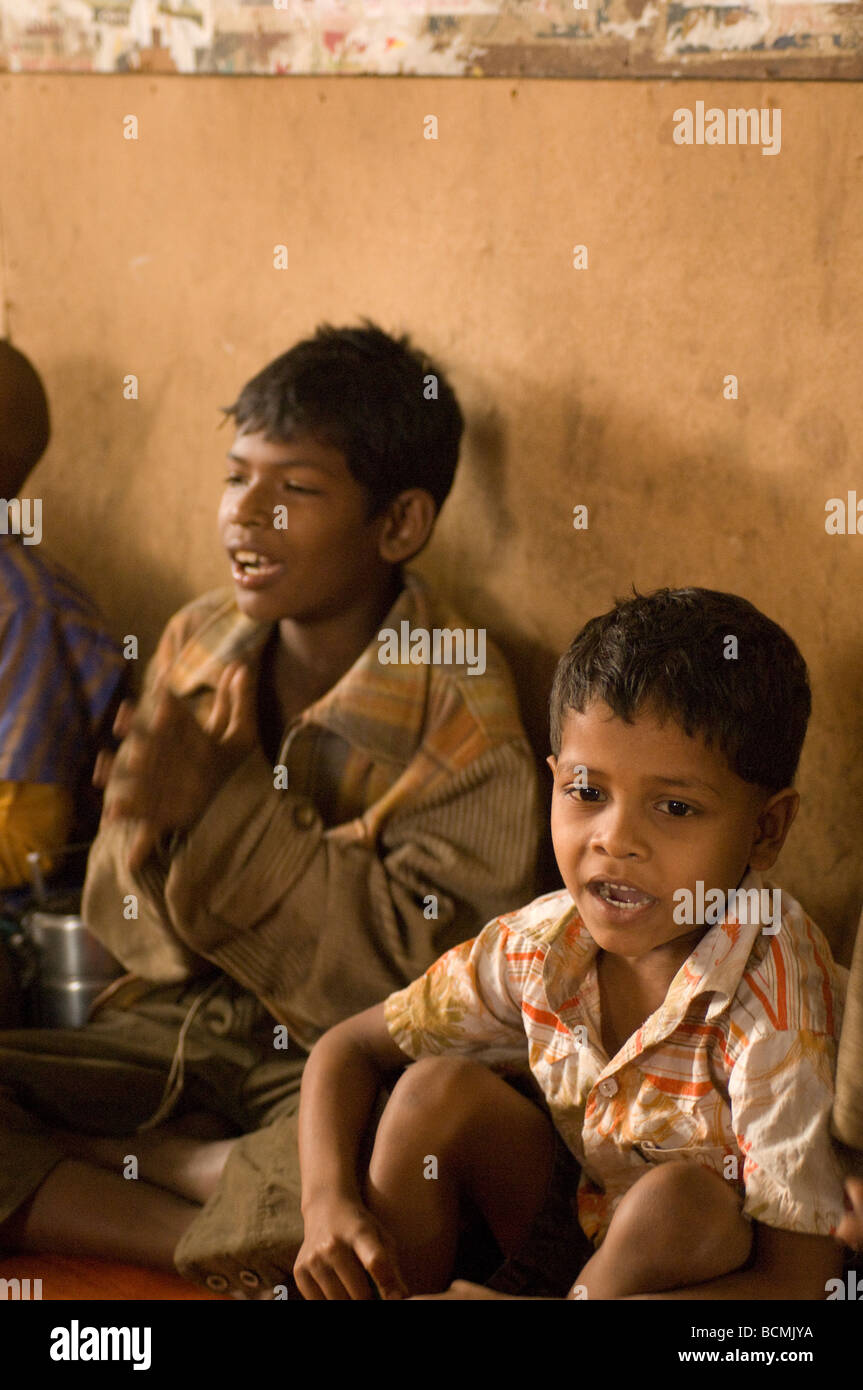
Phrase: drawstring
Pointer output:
(174, 1085)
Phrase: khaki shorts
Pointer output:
(125, 1067)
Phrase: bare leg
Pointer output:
(169, 1156)
(452, 1131)
(82, 1210)
(677, 1226)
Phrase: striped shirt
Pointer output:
(733, 1071)
(402, 813)
(59, 671)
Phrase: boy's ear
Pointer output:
(406, 525)
(774, 823)
(552, 762)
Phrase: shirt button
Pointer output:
(249, 1278)
(304, 816)
(608, 1087)
(217, 1283)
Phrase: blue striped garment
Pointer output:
(59, 670)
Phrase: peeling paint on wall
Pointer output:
(435, 37)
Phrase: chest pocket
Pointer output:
(721, 1159)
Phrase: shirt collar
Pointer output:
(360, 706)
(716, 965)
(571, 951)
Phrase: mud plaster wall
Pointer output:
(601, 387)
(765, 39)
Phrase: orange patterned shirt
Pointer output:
(734, 1070)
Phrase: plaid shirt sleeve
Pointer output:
(463, 1003)
(146, 943)
(781, 1092)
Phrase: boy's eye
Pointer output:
(678, 808)
(585, 794)
(238, 479)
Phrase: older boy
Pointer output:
(292, 828)
(683, 1061)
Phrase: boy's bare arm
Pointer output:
(787, 1265)
(850, 1228)
(341, 1080)
(343, 1242)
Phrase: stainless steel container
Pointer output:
(67, 966)
(64, 1003)
(67, 948)
(72, 968)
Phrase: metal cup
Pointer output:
(72, 968)
(67, 948)
(64, 1003)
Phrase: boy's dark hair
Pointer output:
(670, 651)
(363, 392)
(25, 420)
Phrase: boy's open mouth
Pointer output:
(621, 895)
(252, 570)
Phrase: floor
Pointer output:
(65, 1277)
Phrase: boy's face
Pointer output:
(660, 811)
(327, 555)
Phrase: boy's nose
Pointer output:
(617, 836)
(252, 508)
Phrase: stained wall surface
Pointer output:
(765, 39)
(602, 386)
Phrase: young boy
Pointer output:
(293, 826)
(61, 674)
(681, 1041)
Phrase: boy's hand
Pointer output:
(170, 767)
(850, 1228)
(106, 756)
(344, 1247)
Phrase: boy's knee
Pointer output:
(443, 1091)
(689, 1189)
(696, 1209)
(437, 1082)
